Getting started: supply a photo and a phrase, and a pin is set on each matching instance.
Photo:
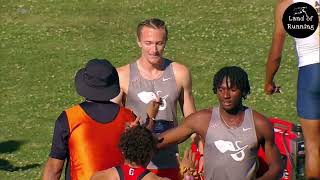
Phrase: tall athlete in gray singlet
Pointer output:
(140, 92)
(152, 76)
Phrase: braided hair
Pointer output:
(237, 78)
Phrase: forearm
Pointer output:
(52, 169)
(173, 136)
(150, 123)
(274, 172)
(272, 67)
(275, 167)
(278, 39)
(273, 157)
(50, 175)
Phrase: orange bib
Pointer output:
(93, 146)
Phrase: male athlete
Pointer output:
(232, 132)
(152, 76)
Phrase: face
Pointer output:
(229, 97)
(152, 43)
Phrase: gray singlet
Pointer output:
(141, 92)
(230, 154)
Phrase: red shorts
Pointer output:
(172, 173)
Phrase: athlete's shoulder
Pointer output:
(182, 74)
(199, 117)
(262, 123)
(257, 116)
(179, 68)
(123, 70)
(124, 76)
(205, 111)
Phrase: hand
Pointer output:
(189, 159)
(135, 123)
(271, 88)
(189, 164)
(195, 139)
(152, 111)
(153, 108)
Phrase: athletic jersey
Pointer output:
(308, 49)
(140, 92)
(90, 140)
(129, 173)
(230, 153)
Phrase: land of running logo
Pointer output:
(300, 20)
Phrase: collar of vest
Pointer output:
(102, 112)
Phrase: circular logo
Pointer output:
(300, 20)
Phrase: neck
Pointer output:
(235, 110)
(232, 118)
(150, 71)
(132, 164)
(145, 63)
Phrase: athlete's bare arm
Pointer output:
(184, 84)
(275, 51)
(195, 123)
(266, 138)
(53, 169)
(124, 75)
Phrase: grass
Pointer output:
(43, 43)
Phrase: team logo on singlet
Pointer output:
(301, 19)
(237, 152)
(146, 97)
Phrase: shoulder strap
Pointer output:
(134, 72)
(144, 173)
(168, 68)
(215, 116)
(248, 118)
(73, 115)
(120, 172)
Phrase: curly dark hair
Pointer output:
(138, 145)
(238, 78)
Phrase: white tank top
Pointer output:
(307, 49)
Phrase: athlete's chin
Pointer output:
(155, 60)
(227, 107)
